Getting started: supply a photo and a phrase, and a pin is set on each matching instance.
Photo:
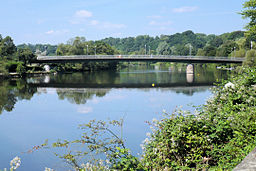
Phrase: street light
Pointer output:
(149, 50)
(87, 49)
(145, 49)
(95, 50)
(234, 51)
(190, 49)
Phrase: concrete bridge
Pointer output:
(136, 58)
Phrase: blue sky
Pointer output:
(56, 21)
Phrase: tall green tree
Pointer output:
(25, 55)
(250, 13)
(7, 47)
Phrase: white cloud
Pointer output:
(83, 14)
(184, 9)
(155, 17)
(157, 23)
(80, 17)
(49, 32)
(84, 110)
(94, 22)
(57, 32)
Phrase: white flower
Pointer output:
(48, 169)
(229, 85)
(146, 141)
(15, 163)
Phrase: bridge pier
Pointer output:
(190, 73)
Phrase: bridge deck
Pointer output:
(133, 58)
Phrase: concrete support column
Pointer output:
(190, 73)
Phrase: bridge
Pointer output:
(136, 58)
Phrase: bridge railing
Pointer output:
(72, 57)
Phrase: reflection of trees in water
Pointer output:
(184, 90)
(80, 78)
(80, 96)
(191, 90)
(12, 91)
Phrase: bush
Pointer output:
(250, 58)
(220, 135)
(21, 69)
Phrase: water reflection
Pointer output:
(78, 88)
(13, 90)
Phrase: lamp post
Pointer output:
(234, 51)
(148, 50)
(87, 49)
(145, 49)
(190, 50)
(95, 50)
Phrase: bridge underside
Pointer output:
(180, 59)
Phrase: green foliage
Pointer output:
(7, 48)
(250, 58)
(176, 44)
(98, 138)
(225, 49)
(200, 52)
(21, 69)
(78, 46)
(163, 49)
(250, 12)
(42, 48)
(210, 50)
(219, 136)
(3, 69)
(123, 160)
(25, 55)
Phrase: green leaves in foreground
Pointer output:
(219, 136)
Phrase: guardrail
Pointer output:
(136, 57)
(131, 56)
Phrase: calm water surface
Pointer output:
(51, 107)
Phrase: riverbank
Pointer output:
(219, 136)
(28, 74)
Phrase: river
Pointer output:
(52, 106)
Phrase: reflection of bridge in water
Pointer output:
(123, 85)
(136, 58)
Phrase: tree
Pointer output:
(7, 47)
(25, 55)
(210, 50)
(216, 42)
(225, 49)
(250, 12)
(163, 49)
(200, 52)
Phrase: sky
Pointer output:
(56, 21)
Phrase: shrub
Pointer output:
(220, 135)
